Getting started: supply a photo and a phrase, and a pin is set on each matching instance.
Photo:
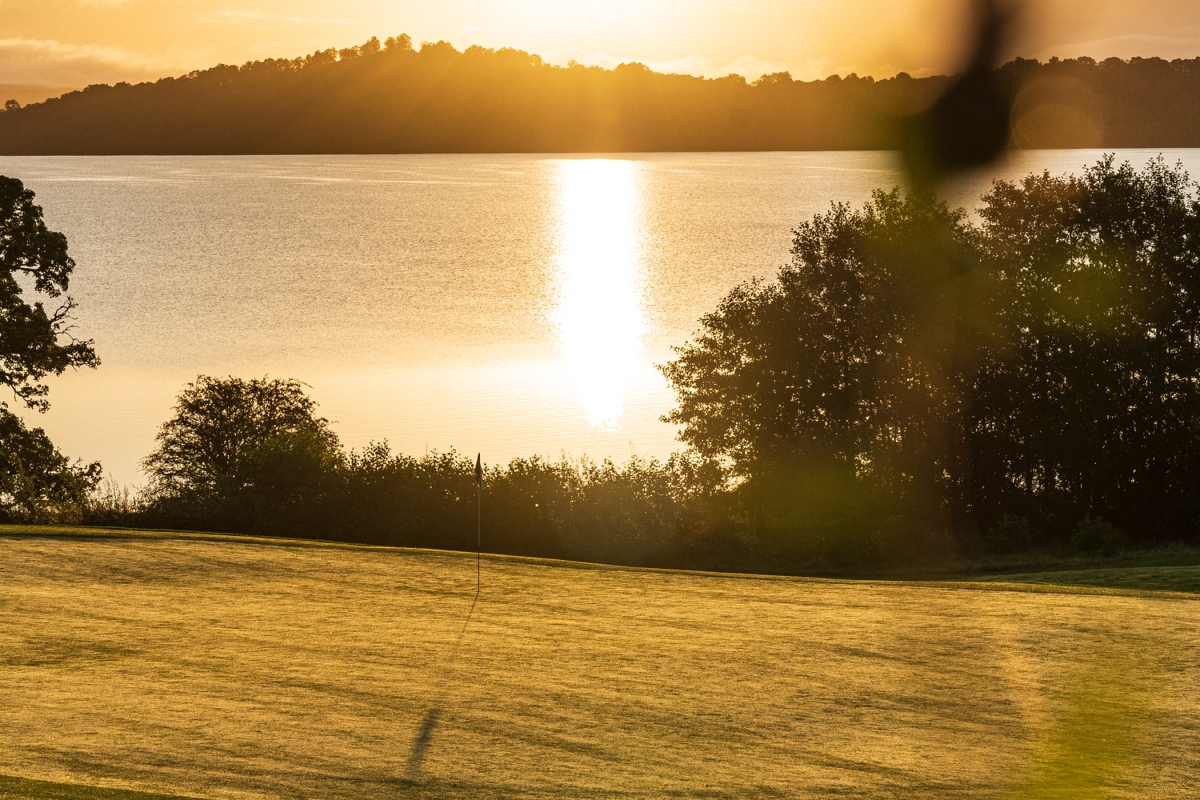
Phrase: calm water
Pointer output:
(509, 304)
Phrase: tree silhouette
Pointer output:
(394, 98)
(37, 482)
(1040, 367)
(34, 343)
(231, 434)
(1094, 409)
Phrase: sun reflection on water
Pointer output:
(599, 313)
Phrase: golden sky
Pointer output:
(76, 42)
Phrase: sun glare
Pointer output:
(599, 312)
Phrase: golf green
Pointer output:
(218, 667)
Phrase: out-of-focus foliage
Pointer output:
(393, 98)
(914, 380)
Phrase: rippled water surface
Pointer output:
(509, 304)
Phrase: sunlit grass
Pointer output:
(225, 667)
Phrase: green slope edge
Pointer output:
(1158, 574)
(12, 788)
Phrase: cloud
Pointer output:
(1128, 46)
(52, 63)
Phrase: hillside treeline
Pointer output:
(914, 387)
(394, 98)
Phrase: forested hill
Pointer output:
(393, 98)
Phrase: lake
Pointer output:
(507, 304)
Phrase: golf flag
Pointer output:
(478, 471)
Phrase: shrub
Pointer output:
(1093, 535)
(1009, 534)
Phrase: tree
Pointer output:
(1095, 409)
(1043, 366)
(226, 432)
(291, 482)
(37, 482)
(833, 395)
(34, 343)
(840, 377)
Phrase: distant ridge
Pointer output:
(393, 98)
(26, 93)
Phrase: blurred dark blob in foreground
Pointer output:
(969, 125)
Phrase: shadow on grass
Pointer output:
(27, 789)
(424, 737)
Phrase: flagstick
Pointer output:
(425, 732)
(478, 531)
(478, 519)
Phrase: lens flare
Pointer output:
(599, 313)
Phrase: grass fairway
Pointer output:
(211, 667)
(21, 788)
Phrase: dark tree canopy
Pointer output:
(1094, 406)
(34, 342)
(225, 430)
(1043, 365)
(252, 456)
(37, 482)
(394, 98)
(826, 360)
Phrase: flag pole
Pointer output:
(478, 532)
(478, 518)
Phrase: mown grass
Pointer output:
(201, 666)
(1158, 579)
(22, 788)
(1172, 569)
